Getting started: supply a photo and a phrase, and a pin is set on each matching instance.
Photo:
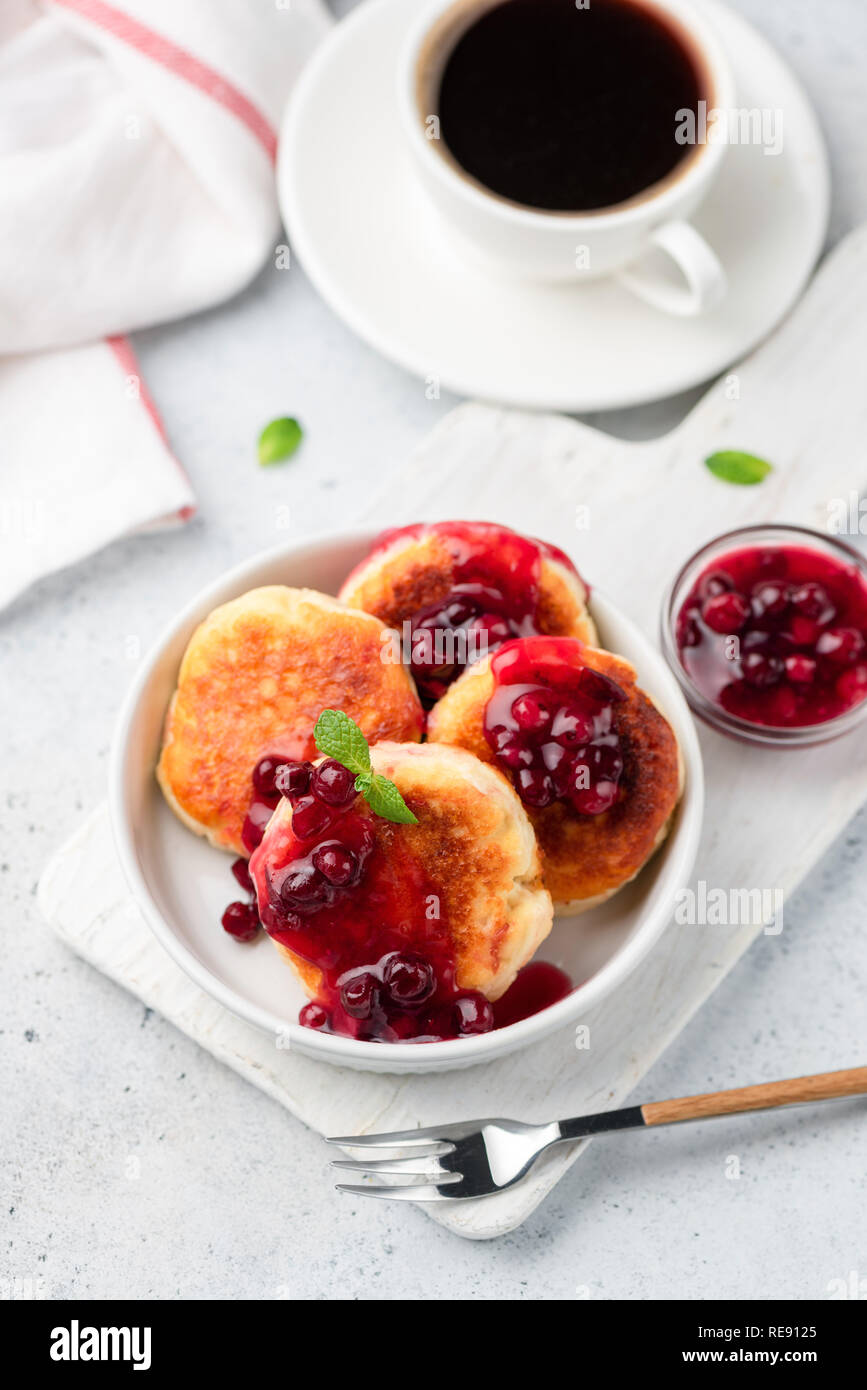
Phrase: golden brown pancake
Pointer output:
(585, 858)
(469, 869)
(414, 571)
(254, 679)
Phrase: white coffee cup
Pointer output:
(646, 242)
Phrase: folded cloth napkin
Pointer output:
(137, 142)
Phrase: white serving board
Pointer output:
(800, 401)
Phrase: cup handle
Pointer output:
(676, 272)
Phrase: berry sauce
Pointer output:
(241, 919)
(777, 635)
(536, 987)
(494, 597)
(551, 726)
(340, 890)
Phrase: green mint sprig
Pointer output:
(279, 440)
(339, 737)
(733, 466)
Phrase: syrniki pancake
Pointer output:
(255, 677)
(595, 762)
(455, 590)
(399, 930)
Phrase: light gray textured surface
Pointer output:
(132, 1163)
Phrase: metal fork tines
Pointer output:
(448, 1163)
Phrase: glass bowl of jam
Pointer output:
(765, 628)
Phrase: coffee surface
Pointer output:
(567, 109)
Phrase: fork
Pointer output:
(476, 1158)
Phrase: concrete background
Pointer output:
(134, 1165)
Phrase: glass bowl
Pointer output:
(749, 537)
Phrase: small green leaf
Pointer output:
(732, 466)
(339, 737)
(279, 440)
(386, 801)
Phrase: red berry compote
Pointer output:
(551, 725)
(774, 635)
(339, 888)
(494, 597)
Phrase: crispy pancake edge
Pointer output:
(413, 572)
(581, 867)
(254, 677)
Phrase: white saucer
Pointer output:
(380, 258)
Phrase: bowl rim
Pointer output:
(768, 735)
(333, 1047)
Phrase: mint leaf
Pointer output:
(279, 440)
(732, 466)
(385, 800)
(339, 737)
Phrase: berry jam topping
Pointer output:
(352, 901)
(264, 777)
(241, 920)
(241, 870)
(537, 986)
(310, 816)
(360, 994)
(292, 779)
(409, 979)
(777, 635)
(473, 1013)
(272, 777)
(494, 597)
(313, 1016)
(726, 612)
(340, 889)
(337, 864)
(550, 723)
(333, 783)
(266, 794)
(255, 821)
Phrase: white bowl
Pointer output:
(182, 884)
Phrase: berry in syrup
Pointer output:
(536, 987)
(241, 870)
(241, 920)
(777, 635)
(550, 724)
(494, 597)
(357, 910)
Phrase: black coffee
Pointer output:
(567, 109)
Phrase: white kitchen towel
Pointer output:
(137, 143)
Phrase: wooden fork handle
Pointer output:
(829, 1085)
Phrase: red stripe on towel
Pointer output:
(122, 349)
(179, 61)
